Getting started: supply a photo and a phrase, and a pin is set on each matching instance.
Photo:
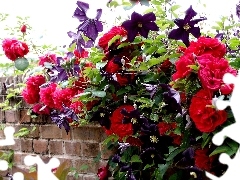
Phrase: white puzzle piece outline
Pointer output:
(229, 131)
(44, 170)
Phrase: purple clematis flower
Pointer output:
(186, 26)
(61, 118)
(140, 24)
(90, 27)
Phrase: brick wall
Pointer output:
(80, 147)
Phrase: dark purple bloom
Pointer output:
(186, 26)
(90, 27)
(172, 99)
(102, 116)
(152, 155)
(150, 137)
(140, 24)
(130, 175)
(135, 118)
(61, 118)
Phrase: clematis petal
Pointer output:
(151, 26)
(99, 13)
(80, 12)
(135, 17)
(195, 21)
(176, 34)
(127, 25)
(185, 38)
(179, 22)
(195, 31)
(149, 17)
(190, 13)
(144, 32)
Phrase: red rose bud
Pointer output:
(226, 89)
(23, 28)
(103, 173)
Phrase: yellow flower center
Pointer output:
(140, 25)
(152, 155)
(186, 27)
(193, 174)
(134, 120)
(153, 139)
(102, 114)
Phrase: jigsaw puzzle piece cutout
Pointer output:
(18, 176)
(44, 170)
(233, 167)
(9, 136)
(3, 165)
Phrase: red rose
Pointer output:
(23, 29)
(211, 71)
(63, 97)
(164, 127)
(50, 58)
(77, 106)
(205, 117)
(14, 49)
(79, 55)
(112, 67)
(31, 92)
(116, 30)
(124, 79)
(182, 66)
(207, 45)
(202, 159)
(117, 127)
(46, 95)
(103, 173)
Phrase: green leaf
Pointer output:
(175, 7)
(174, 153)
(123, 45)
(100, 65)
(114, 39)
(135, 158)
(148, 166)
(112, 138)
(206, 138)
(99, 93)
(221, 149)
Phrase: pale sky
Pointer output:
(54, 17)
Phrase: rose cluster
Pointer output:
(204, 61)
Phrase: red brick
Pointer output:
(12, 116)
(73, 148)
(27, 145)
(24, 117)
(89, 177)
(40, 146)
(50, 132)
(90, 149)
(94, 134)
(2, 116)
(65, 135)
(18, 159)
(55, 147)
(17, 145)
